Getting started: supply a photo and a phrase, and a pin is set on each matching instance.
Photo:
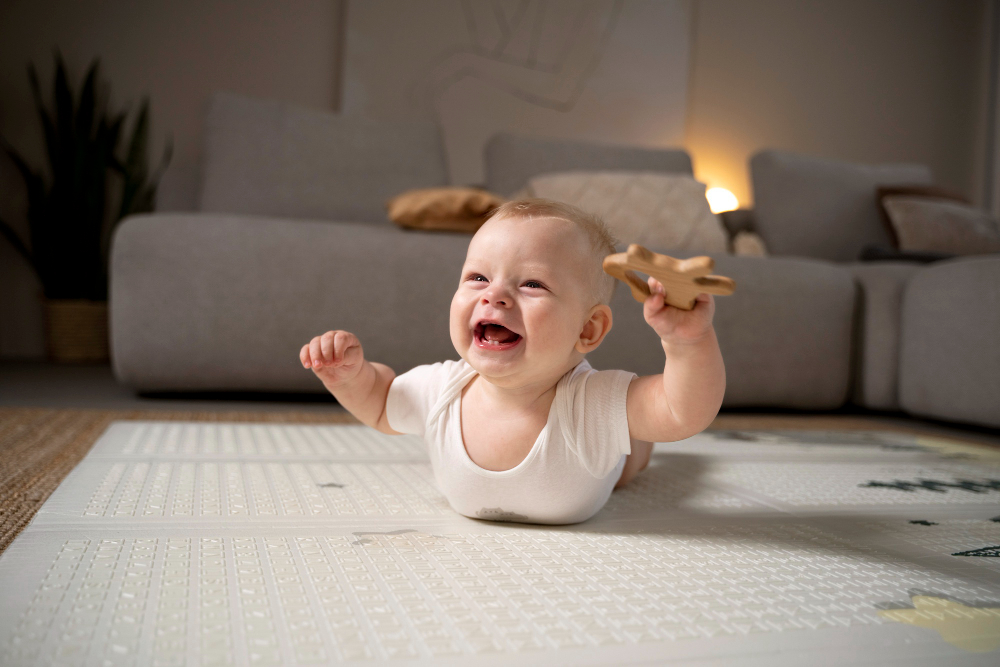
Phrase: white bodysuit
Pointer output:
(569, 472)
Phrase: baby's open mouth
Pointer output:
(495, 336)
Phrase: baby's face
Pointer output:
(523, 300)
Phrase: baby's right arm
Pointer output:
(360, 386)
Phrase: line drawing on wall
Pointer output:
(612, 71)
(513, 62)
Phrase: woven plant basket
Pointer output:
(76, 330)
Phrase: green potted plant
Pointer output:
(68, 221)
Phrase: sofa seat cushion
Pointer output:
(785, 333)
(270, 158)
(814, 207)
(949, 365)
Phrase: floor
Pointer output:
(41, 384)
(288, 544)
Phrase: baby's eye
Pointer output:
(477, 277)
(534, 284)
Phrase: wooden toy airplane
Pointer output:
(682, 280)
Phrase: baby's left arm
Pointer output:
(686, 398)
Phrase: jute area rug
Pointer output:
(40, 446)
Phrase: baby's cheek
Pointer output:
(455, 331)
(458, 322)
(561, 330)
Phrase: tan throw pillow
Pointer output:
(661, 211)
(932, 225)
(919, 190)
(452, 209)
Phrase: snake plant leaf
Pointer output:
(86, 110)
(33, 180)
(38, 213)
(138, 196)
(134, 168)
(136, 159)
(68, 229)
(104, 144)
(36, 203)
(144, 200)
(48, 124)
(15, 240)
(64, 119)
(168, 152)
(108, 133)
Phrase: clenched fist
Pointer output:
(674, 325)
(335, 357)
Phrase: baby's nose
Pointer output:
(496, 301)
(496, 296)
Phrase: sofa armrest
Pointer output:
(949, 365)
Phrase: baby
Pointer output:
(522, 428)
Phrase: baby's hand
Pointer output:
(335, 357)
(674, 325)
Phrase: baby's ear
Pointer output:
(594, 330)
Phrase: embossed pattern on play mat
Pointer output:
(231, 544)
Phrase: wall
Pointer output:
(860, 80)
(613, 71)
(178, 52)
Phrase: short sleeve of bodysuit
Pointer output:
(594, 418)
(414, 393)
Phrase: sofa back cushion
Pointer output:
(511, 161)
(274, 159)
(814, 207)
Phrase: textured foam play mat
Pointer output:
(178, 543)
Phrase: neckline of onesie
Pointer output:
(540, 441)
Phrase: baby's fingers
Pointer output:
(654, 304)
(705, 303)
(348, 348)
(331, 350)
(316, 352)
(655, 301)
(328, 346)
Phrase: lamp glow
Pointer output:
(721, 199)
